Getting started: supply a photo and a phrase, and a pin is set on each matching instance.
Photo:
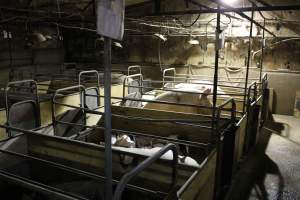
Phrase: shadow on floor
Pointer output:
(250, 182)
(282, 129)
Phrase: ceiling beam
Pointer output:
(138, 5)
(226, 10)
(207, 7)
(245, 16)
(262, 2)
(239, 11)
(198, 4)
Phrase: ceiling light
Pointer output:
(7, 34)
(160, 36)
(229, 2)
(39, 37)
(48, 37)
(118, 44)
(194, 41)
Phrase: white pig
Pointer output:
(184, 98)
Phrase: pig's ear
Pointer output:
(207, 91)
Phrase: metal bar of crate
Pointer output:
(220, 85)
(222, 81)
(44, 189)
(181, 91)
(74, 170)
(35, 93)
(133, 68)
(176, 141)
(125, 82)
(145, 164)
(142, 100)
(64, 167)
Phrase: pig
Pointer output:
(184, 98)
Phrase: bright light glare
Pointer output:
(193, 42)
(118, 44)
(229, 2)
(160, 36)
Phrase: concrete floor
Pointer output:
(272, 171)
(290, 127)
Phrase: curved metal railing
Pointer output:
(146, 163)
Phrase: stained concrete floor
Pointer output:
(290, 127)
(272, 171)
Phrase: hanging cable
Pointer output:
(190, 25)
(159, 56)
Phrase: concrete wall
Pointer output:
(24, 62)
(285, 86)
(177, 51)
(43, 61)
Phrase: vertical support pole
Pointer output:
(57, 26)
(262, 52)
(107, 108)
(157, 6)
(248, 59)
(215, 112)
(216, 75)
(94, 8)
(12, 70)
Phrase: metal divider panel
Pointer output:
(23, 115)
(135, 84)
(70, 116)
(131, 103)
(58, 178)
(116, 78)
(20, 92)
(92, 101)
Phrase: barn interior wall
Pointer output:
(177, 52)
(155, 54)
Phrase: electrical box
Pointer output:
(110, 18)
(220, 40)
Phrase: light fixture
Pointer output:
(229, 2)
(193, 41)
(48, 37)
(220, 40)
(100, 40)
(7, 34)
(39, 37)
(118, 44)
(160, 36)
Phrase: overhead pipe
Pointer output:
(263, 3)
(229, 9)
(206, 11)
